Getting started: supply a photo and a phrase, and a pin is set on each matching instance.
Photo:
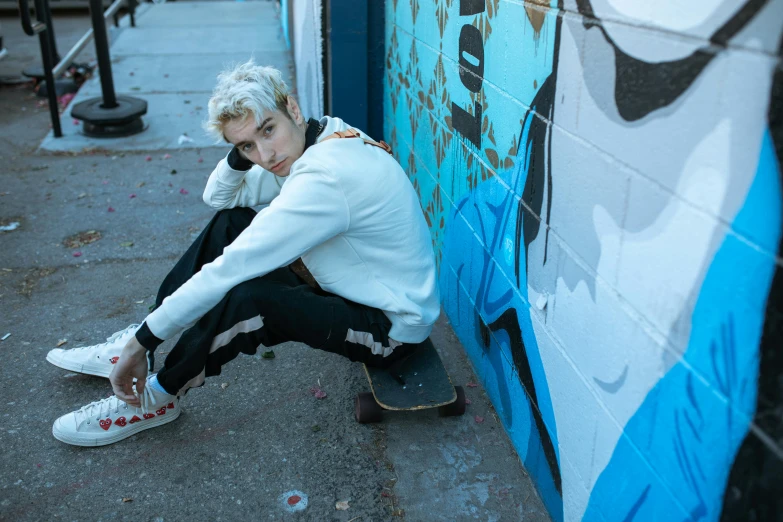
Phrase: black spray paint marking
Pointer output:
(471, 73)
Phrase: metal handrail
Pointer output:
(45, 38)
(87, 38)
(30, 28)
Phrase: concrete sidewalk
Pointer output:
(251, 438)
(171, 59)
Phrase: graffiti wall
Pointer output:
(602, 181)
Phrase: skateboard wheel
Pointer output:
(457, 407)
(366, 409)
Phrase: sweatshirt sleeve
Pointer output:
(229, 187)
(311, 209)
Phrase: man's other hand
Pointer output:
(132, 363)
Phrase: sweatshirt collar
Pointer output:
(314, 129)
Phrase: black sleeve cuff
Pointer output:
(237, 162)
(147, 339)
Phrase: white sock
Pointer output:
(153, 381)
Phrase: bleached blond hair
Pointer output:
(245, 89)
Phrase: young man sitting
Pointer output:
(336, 203)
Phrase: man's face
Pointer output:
(275, 144)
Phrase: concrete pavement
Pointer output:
(251, 439)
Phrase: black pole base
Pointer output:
(113, 131)
(35, 72)
(62, 86)
(111, 122)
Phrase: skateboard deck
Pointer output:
(420, 381)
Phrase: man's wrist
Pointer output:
(147, 339)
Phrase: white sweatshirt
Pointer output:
(348, 210)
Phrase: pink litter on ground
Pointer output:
(294, 499)
(468, 401)
(478, 419)
(166, 156)
(65, 99)
(148, 158)
(75, 121)
(132, 196)
(201, 160)
(472, 385)
(111, 209)
(183, 192)
(77, 254)
(318, 392)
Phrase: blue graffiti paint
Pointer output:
(506, 352)
(686, 431)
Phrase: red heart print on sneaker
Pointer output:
(114, 360)
(134, 419)
(105, 423)
(121, 422)
(161, 411)
(170, 406)
(149, 415)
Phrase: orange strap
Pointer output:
(353, 133)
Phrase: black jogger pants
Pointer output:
(265, 311)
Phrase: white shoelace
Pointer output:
(112, 338)
(104, 408)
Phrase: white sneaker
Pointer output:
(94, 360)
(111, 420)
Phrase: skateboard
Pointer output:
(417, 382)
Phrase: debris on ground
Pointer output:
(342, 505)
(127, 499)
(111, 209)
(6, 336)
(81, 239)
(317, 392)
(77, 254)
(224, 385)
(183, 192)
(173, 171)
(472, 385)
(61, 342)
(478, 419)
(126, 244)
(148, 158)
(269, 354)
(316, 428)
(184, 139)
(32, 278)
(166, 156)
(468, 401)
(11, 226)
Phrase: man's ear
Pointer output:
(293, 110)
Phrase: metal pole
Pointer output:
(50, 29)
(102, 51)
(41, 10)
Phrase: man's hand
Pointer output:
(132, 363)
